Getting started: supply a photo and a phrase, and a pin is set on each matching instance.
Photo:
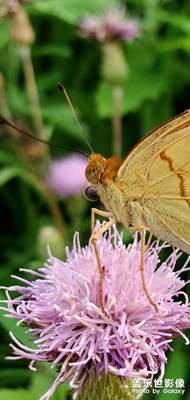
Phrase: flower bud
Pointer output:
(49, 235)
(22, 31)
(109, 387)
(114, 65)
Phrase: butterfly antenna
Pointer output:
(4, 121)
(63, 90)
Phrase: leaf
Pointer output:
(176, 44)
(60, 115)
(177, 20)
(43, 379)
(69, 11)
(16, 394)
(17, 376)
(179, 359)
(54, 50)
(9, 173)
(9, 324)
(6, 158)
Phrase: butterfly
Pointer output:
(149, 190)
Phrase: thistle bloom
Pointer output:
(109, 26)
(66, 323)
(67, 175)
(109, 29)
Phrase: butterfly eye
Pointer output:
(92, 174)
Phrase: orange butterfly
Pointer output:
(149, 190)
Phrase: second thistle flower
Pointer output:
(109, 29)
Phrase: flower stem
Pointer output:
(3, 99)
(32, 88)
(55, 210)
(5, 111)
(109, 387)
(117, 121)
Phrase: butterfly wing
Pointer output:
(153, 136)
(158, 177)
(169, 221)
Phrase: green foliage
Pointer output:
(139, 87)
(157, 88)
(17, 394)
(69, 11)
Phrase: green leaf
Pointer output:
(138, 89)
(53, 50)
(9, 173)
(42, 381)
(60, 115)
(180, 21)
(69, 11)
(16, 376)
(9, 324)
(180, 359)
(182, 43)
(16, 394)
(7, 158)
(177, 367)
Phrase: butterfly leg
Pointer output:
(95, 211)
(143, 249)
(148, 241)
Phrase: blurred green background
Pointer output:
(157, 88)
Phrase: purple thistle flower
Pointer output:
(110, 25)
(67, 175)
(67, 325)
